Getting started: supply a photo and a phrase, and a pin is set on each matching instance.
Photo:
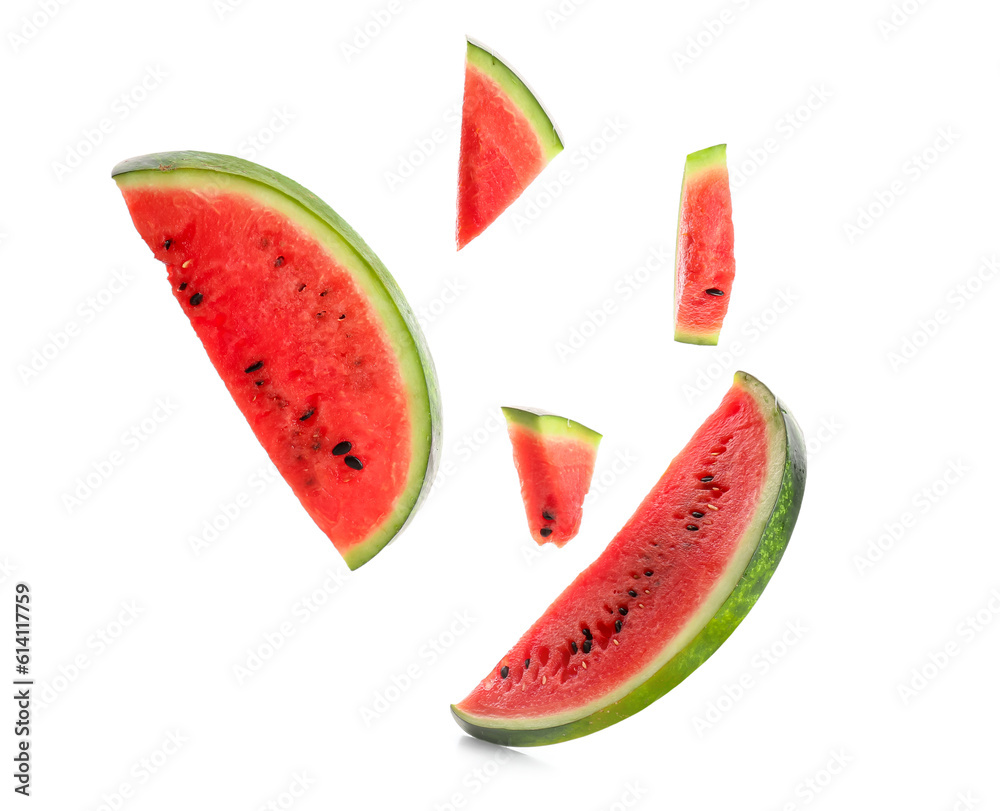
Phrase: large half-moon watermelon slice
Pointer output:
(507, 139)
(705, 263)
(668, 590)
(307, 329)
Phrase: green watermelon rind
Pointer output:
(696, 163)
(770, 548)
(186, 168)
(520, 95)
(545, 424)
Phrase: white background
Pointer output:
(881, 429)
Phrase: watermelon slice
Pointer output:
(667, 591)
(554, 457)
(705, 264)
(507, 139)
(308, 331)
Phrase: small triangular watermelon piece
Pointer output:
(507, 139)
(555, 458)
(705, 263)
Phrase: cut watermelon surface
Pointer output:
(705, 262)
(507, 139)
(668, 590)
(555, 459)
(309, 332)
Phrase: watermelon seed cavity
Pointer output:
(279, 261)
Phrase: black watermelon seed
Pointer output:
(587, 646)
(623, 610)
(697, 514)
(691, 527)
(196, 299)
(279, 261)
(527, 663)
(587, 634)
(253, 367)
(353, 462)
(341, 448)
(707, 478)
(321, 313)
(633, 593)
(342, 317)
(573, 647)
(307, 415)
(258, 382)
(504, 671)
(182, 286)
(714, 291)
(546, 516)
(545, 532)
(167, 244)
(324, 292)
(648, 572)
(618, 626)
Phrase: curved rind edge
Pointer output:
(550, 424)
(227, 164)
(520, 94)
(770, 549)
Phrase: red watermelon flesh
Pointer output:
(669, 589)
(507, 139)
(705, 262)
(555, 459)
(301, 338)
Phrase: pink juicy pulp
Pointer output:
(705, 256)
(252, 309)
(500, 155)
(555, 474)
(685, 566)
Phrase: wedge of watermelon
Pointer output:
(668, 590)
(507, 139)
(308, 331)
(555, 458)
(705, 263)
